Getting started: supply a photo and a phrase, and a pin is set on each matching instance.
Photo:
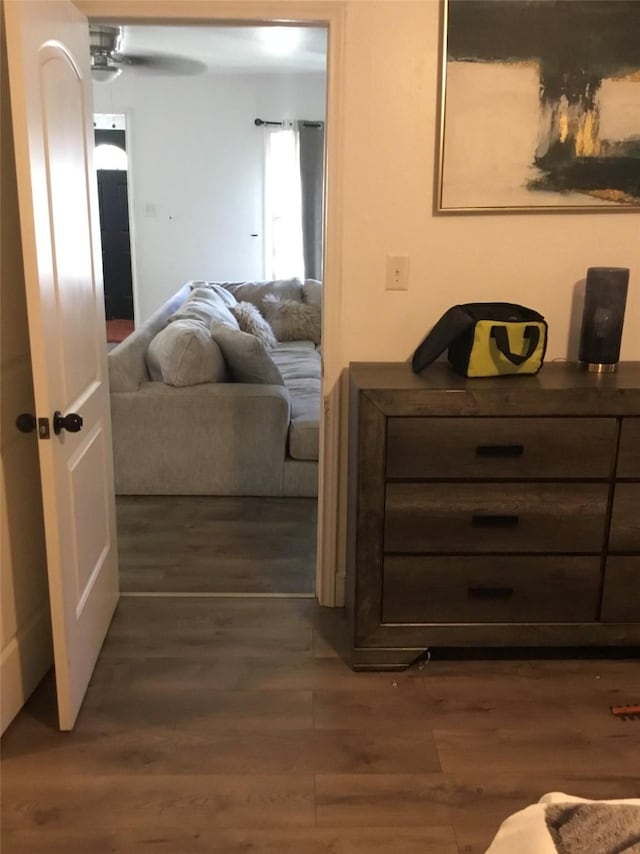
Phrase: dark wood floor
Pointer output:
(205, 544)
(230, 726)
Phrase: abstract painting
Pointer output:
(540, 106)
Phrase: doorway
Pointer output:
(81, 656)
(199, 545)
(111, 163)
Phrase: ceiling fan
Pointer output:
(108, 61)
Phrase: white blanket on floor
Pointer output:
(565, 824)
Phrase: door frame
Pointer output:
(330, 561)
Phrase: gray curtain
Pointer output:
(312, 179)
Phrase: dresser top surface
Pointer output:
(555, 376)
(560, 388)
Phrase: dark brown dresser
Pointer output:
(492, 512)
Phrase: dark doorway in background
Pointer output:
(114, 229)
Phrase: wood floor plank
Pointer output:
(216, 544)
(475, 804)
(199, 802)
(384, 800)
(202, 628)
(434, 840)
(228, 640)
(479, 701)
(539, 750)
(165, 615)
(569, 681)
(471, 683)
(290, 672)
(175, 750)
(199, 708)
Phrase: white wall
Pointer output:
(390, 139)
(197, 170)
(25, 636)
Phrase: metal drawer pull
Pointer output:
(489, 520)
(499, 450)
(490, 592)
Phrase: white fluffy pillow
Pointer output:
(255, 292)
(312, 292)
(292, 320)
(183, 353)
(250, 320)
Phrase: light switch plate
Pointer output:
(397, 278)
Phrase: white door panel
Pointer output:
(48, 50)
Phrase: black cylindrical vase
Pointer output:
(604, 303)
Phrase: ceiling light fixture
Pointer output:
(103, 43)
(105, 74)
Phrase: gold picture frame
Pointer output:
(539, 107)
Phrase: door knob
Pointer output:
(26, 422)
(71, 422)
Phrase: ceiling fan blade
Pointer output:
(162, 63)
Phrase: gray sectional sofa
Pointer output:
(218, 435)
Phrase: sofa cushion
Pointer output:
(184, 354)
(255, 292)
(246, 356)
(300, 366)
(226, 296)
(297, 360)
(207, 306)
(304, 431)
(250, 320)
(291, 320)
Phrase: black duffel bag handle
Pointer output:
(453, 323)
(501, 337)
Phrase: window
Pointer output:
(110, 157)
(283, 204)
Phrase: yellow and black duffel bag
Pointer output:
(486, 339)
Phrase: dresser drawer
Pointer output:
(629, 455)
(625, 520)
(494, 517)
(621, 593)
(490, 589)
(516, 448)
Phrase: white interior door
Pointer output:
(49, 75)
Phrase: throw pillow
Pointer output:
(250, 320)
(246, 356)
(206, 306)
(226, 296)
(183, 353)
(293, 321)
(255, 292)
(312, 292)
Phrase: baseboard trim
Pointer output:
(23, 662)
